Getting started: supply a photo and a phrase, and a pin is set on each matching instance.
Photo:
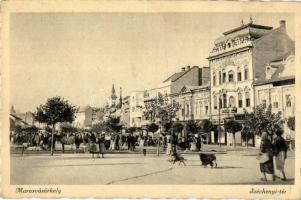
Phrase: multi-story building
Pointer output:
(86, 116)
(238, 59)
(278, 89)
(194, 102)
(136, 108)
(179, 85)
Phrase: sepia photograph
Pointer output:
(151, 98)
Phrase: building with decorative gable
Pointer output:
(237, 59)
(194, 102)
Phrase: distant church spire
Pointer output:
(120, 98)
(113, 92)
(12, 110)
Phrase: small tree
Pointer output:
(167, 127)
(246, 135)
(161, 110)
(232, 127)
(98, 127)
(191, 129)
(113, 124)
(291, 123)
(206, 127)
(152, 127)
(67, 128)
(177, 127)
(55, 110)
(263, 119)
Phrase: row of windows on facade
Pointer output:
(223, 77)
(186, 112)
(275, 104)
(223, 101)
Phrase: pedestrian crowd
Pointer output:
(100, 142)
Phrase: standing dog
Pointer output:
(208, 159)
(177, 158)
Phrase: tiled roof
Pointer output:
(248, 25)
(281, 65)
(175, 76)
(288, 48)
(178, 75)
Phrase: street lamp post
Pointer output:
(158, 141)
(219, 121)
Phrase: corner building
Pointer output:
(237, 59)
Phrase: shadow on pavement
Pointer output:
(34, 155)
(92, 164)
(223, 167)
(277, 182)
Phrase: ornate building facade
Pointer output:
(238, 59)
(194, 103)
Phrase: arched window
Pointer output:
(224, 100)
(246, 73)
(224, 77)
(187, 110)
(239, 100)
(288, 99)
(214, 80)
(247, 99)
(231, 76)
(231, 102)
(215, 102)
(229, 45)
(238, 76)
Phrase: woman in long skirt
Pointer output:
(280, 151)
(266, 166)
(101, 144)
(93, 147)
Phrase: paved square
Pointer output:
(235, 167)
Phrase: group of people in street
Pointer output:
(42, 139)
(272, 149)
(100, 142)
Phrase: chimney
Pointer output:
(283, 24)
(188, 67)
(183, 69)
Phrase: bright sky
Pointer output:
(79, 56)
